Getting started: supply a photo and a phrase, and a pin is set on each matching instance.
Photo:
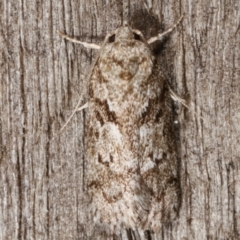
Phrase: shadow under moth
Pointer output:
(132, 177)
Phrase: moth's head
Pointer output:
(124, 33)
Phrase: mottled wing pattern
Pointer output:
(158, 157)
(131, 169)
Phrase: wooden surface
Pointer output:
(43, 77)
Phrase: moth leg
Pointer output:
(175, 97)
(161, 35)
(85, 44)
(83, 107)
(77, 108)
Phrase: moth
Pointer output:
(132, 167)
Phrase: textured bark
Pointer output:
(43, 77)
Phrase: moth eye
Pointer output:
(111, 39)
(137, 37)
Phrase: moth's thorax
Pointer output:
(125, 60)
(124, 33)
(124, 67)
(125, 56)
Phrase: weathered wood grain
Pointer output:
(43, 77)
